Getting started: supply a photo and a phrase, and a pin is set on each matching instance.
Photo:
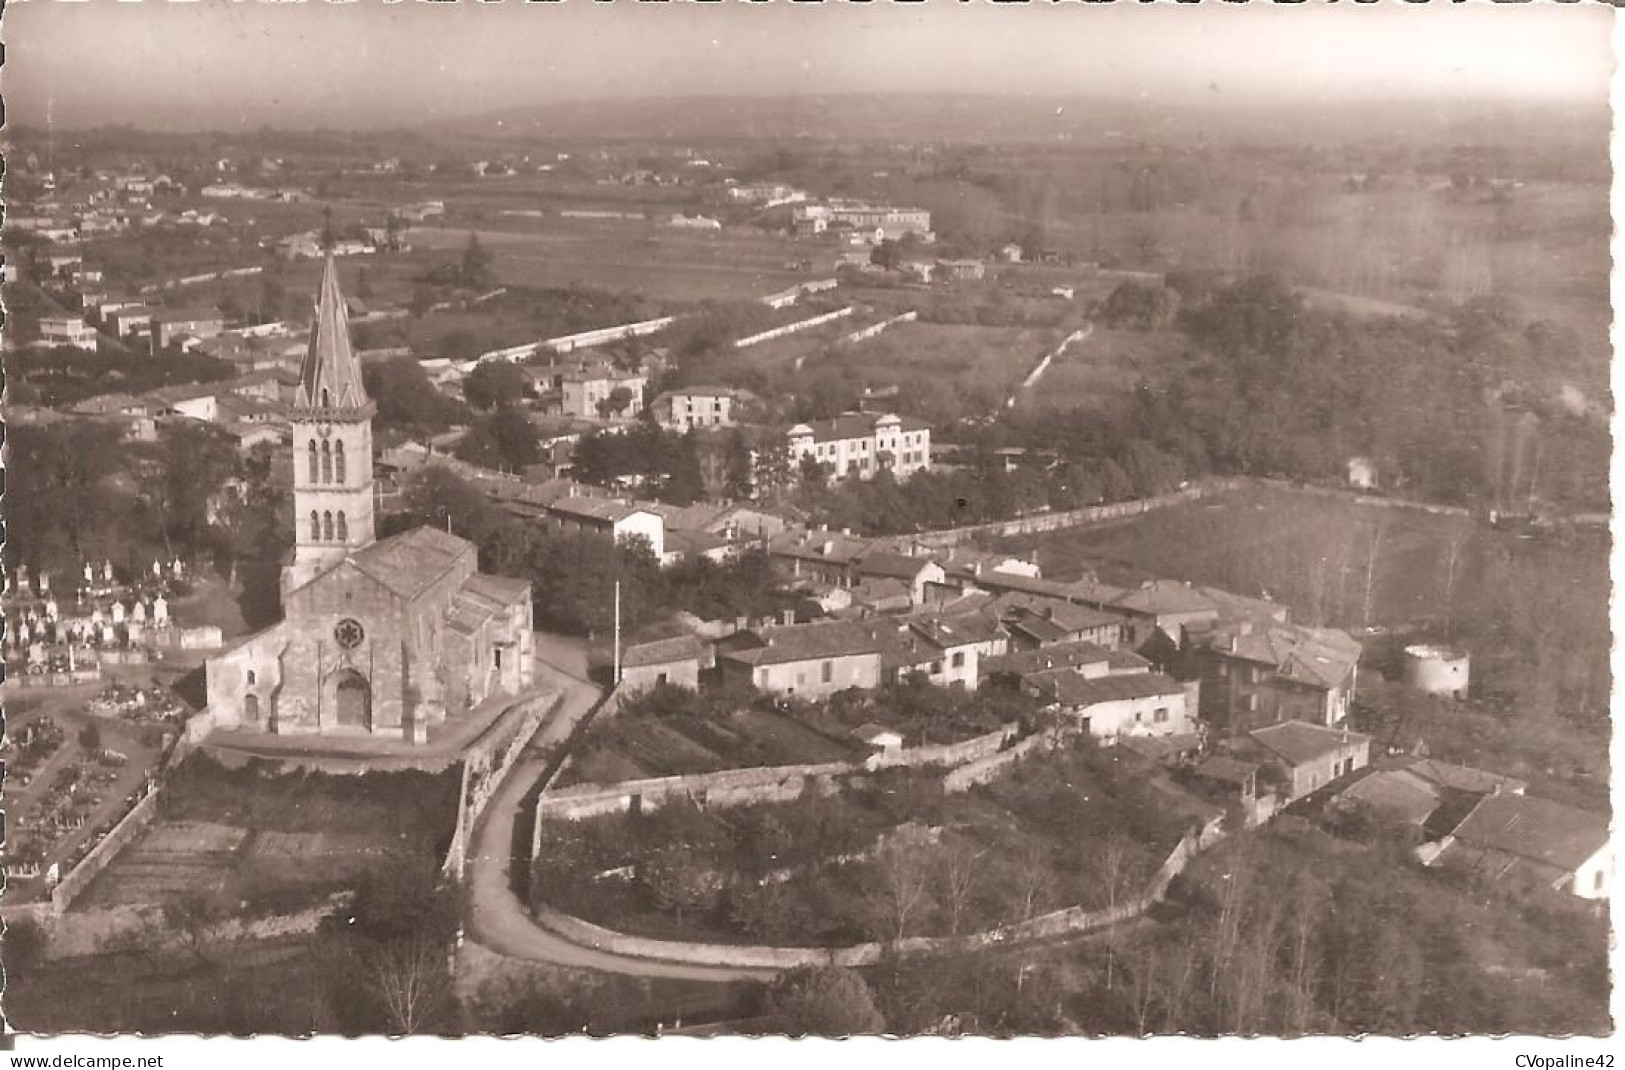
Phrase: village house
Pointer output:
(675, 662)
(918, 575)
(895, 222)
(1302, 758)
(945, 652)
(609, 517)
(1428, 795)
(699, 406)
(962, 270)
(868, 598)
(131, 322)
(819, 556)
(1087, 659)
(862, 444)
(1131, 703)
(172, 325)
(1258, 673)
(1521, 839)
(804, 660)
(1036, 621)
(585, 387)
(67, 331)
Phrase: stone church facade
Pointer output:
(377, 638)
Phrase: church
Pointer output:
(378, 638)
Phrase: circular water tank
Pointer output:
(1437, 670)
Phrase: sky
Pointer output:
(221, 64)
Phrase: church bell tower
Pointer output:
(332, 445)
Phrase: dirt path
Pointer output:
(498, 918)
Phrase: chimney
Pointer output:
(827, 548)
(741, 623)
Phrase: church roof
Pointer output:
(410, 562)
(330, 362)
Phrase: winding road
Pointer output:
(498, 919)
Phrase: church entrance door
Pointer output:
(354, 701)
(251, 708)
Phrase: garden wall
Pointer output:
(80, 876)
(1367, 499)
(740, 787)
(1072, 518)
(485, 764)
(91, 932)
(792, 328)
(985, 769)
(870, 332)
(1068, 922)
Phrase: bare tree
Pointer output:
(904, 885)
(1147, 973)
(193, 917)
(1455, 542)
(1033, 882)
(1379, 532)
(1111, 861)
(411, 980)
(961, 877)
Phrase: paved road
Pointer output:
(498, 919)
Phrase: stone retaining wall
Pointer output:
(1070, 921)
(1072, 518)
(792, 328)
(739, 787)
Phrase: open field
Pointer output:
(1104, 369)
(658, 262)
(241, 834)
(986, 363)
(1309, 551)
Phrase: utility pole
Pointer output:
(616, 671)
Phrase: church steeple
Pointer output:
(330, 377)
(332, 445)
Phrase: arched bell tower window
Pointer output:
(338, 461)
(251, 678)
(326, 400)
(327, 463)
(327, 526)
(315, 527)
(313, 469)
(343, 527)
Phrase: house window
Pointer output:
(1160, 716)
(313, 468)
(1596, 881)
(315, 527)
(1223, 669)
(327, 527)
(327, 463)
(496, 660)
(827, 673)
(1252, 703)
(343, 528)
(338, 461)
(959, 659)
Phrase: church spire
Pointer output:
(330, 377)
